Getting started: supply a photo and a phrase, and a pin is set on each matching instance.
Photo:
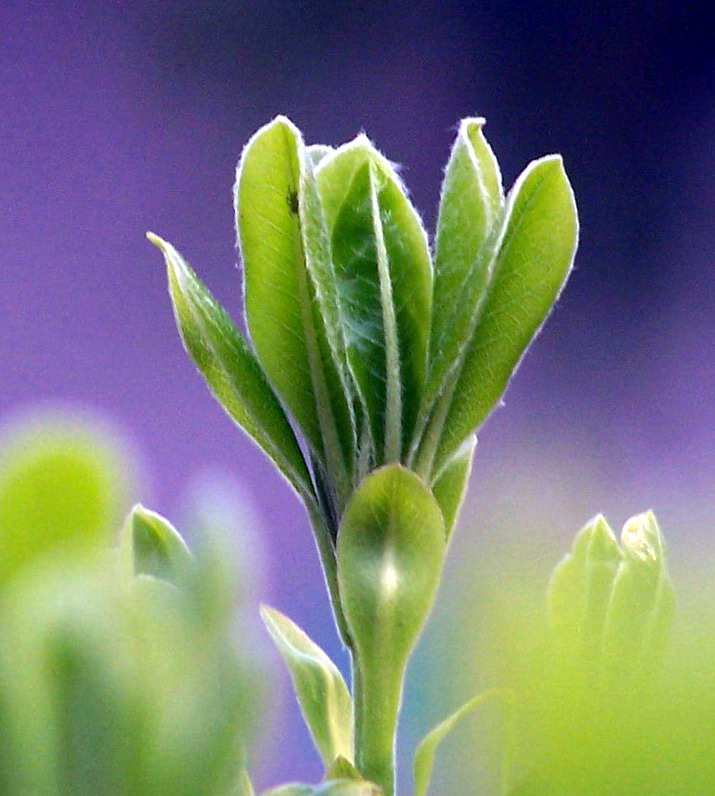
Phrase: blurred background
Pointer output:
(122, 117)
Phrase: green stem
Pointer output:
(326, 550)
(377, 697)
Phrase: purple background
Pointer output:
(118, 117)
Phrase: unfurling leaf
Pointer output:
(384, 275)
(535, 255)
(610, 605)
(291, 301)
(231, 370)
(324, 698)
(152, 546)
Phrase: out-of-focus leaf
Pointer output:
(391, 547)
(152, 546)
(641, 606)
(472, 199)
(533, 263)
(450, 488)
(384, 274)
(579, 592)
(231, 370)
(60, 489)
(291, 305)
(324, 698)
(426, 751)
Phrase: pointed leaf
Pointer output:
(472, 199)
(316, 153)
(426, 751)
(152, 546)
(641, 604)
(451, 487)
(383, 269)
(533, 263)
(291, 306)
(324, 698)
(231, 370)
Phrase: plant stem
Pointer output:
(377, 696)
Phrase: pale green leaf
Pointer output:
(342, 768)
(152, 546)
(384, 275)
(244, 786)
(291, 305)
(61, 487)
(426, 751)
(451, 487)
(470, 205)
(317, 152)
(324, 698)
(335, 787)
(231, 370)
(534, 259)
(391, 547)
(641, 605)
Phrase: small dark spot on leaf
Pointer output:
(292, 199)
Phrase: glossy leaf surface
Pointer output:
(322, 694)
(231, 369)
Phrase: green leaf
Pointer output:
(535, 257)
(337, 787)
(426, 751)
(231, 370)
(342, 768)
(472, 199)
(579, 590)
(384, 275)
(61, 487)
(641, 605)
(324, 698)
(152, 546)
(451, 487)
(291, 305)
(391, 547)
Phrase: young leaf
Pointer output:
(317, 152)
(244, 786)
(580, 587)
(641, 605)
(471, 201)
(333, 787)
(324, 698)
(426, 751)
(384, 275)
(152, 546)
(231, 370)
(391, 547)
(533, 263)
(450, 488)
(291, 306)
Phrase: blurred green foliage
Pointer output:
(118, 673)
